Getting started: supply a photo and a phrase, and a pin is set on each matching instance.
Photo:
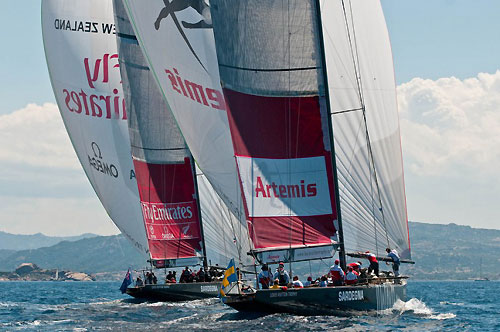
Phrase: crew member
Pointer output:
(356, 267)
(309, 282)
(337, 274)
(200, 276)
(265, 277)
(324, 281)
(297, 283)
(185, 275)
(393, 254)
(351, 277)
(373, 262)
(168, 277)
(282, 275)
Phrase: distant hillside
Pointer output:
(440, 252)
(453, 252)
(91, 255)
(35, 241)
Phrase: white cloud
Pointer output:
(42, 185)
(35, 136)
(450, 127)
(54, 216)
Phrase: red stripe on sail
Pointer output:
(270, 132)
(277, 127)
(169, 207)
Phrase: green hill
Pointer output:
(453, 252)
(91, 255)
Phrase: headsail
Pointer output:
(366, 126)
(163, 165)
(80, 48)
(177, 40)
(270, 65)
(165, 170)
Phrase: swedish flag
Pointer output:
(229, 277)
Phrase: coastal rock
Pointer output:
(26, 268)
(77, 276)
(31, 272)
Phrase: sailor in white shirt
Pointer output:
(297, 283)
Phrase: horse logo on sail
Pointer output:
(178, 5)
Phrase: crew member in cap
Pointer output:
(282, 276)
(356, 267)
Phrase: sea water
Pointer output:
(99, 306)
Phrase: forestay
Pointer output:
(80, 48)
(361, 84)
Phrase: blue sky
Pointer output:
(448, 125)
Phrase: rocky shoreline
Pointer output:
(31, 272)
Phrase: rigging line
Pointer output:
(346, 111)
(289, 130)
(373, 213)
(376, 180)
(351, 163)
(236, 240)
(355, 56)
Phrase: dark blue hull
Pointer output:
(340, 300)
(176, 292)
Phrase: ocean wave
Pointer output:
(419, 308)
(460, 304)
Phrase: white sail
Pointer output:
(179, 46)
(226, 236)
(361, 76)
(270, 66)
(81, 52)
(157, 140)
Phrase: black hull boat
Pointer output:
(176, 292)
(338, 300)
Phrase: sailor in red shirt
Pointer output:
(373, 262)
(356, 267)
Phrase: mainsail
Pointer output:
(80, 48)
(366, 126)
(270, 65)
(297, 77)
(172, 191)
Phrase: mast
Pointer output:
(342, 254)
(198, 206)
